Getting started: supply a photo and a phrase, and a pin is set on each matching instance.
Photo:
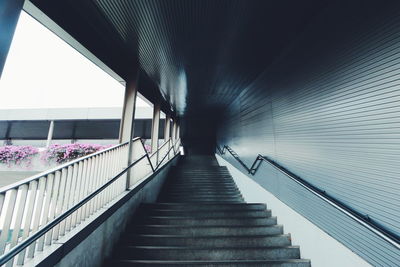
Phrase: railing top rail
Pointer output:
(60, 167)
(379, 231)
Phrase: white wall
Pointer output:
(315, 244)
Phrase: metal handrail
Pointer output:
(153, 153)
(147, 155)
(14, 251)
(157, 152)
(169, 150)
(364, 220)
(59, 167)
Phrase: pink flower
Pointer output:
(65, 153)
(17, 154)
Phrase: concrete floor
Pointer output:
(9, 177)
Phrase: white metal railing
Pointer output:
(37, 211)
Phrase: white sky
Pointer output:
(42, 71)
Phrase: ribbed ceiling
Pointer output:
(200, 53)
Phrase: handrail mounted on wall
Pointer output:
(362, 219)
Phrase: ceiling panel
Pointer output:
(200, 54)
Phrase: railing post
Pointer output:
(127, 121)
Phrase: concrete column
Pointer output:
(167, 128)
(9, 14)
(178, 131)
(127, 121)
(50, 134)
(128, 112)
(155, 126)
(174, 123)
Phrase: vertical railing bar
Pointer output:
(70, 220)
(112, 161)
(45, 214)
(87, 188)
(122, 166)
(67, 198)
(122, 182)
(19, 214)
(8, 214)
(81, 178)
(110, 175)
(37, 213)
(32, 191)
(113, 170)
(53, 204)
(96, 184)
(93, 184)
(104, 178)
(108, 190)
(2, 198)
(99, 181)
(60, 200)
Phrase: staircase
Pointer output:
(201, 219)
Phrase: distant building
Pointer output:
(68, 125)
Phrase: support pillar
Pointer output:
(167, 128)
(178, 131)
(128, 112)
(50, 134)
(155, 127)
(9, 14)
(127, 122)
(174, 124)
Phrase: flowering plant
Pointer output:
(64, 153)
(17, 154)
(147, 148)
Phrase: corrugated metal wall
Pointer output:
(329, 111)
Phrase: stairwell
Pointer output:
(201, 219)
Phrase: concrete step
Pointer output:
(214, 230)
(209, 241)
(211, 221)
(215, 195)
(203, 200)
(218, 177)
(202, 184)
(194, 201)
(211, 191)
(204, 197)
(198, 253)
(200, 189)
(208, 214)
(204, 194)
(195, 187)
(234, 263)
(194, 175)
(205, 207)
